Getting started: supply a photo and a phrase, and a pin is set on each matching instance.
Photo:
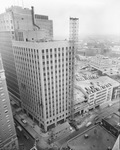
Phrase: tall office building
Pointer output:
(15, 24)
(44, 72)
(43, 67)
(8, 138)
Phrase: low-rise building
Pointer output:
(80, 102)
(96, 138)
(112, 124)
(106, 65)
(60, 130)
(96, 92)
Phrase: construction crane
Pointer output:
(73, 39)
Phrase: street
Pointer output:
(101, 113)
(24, 143)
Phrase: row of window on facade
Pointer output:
(34, 52)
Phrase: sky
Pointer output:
(99, 17)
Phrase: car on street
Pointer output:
(110, 104)
(71, 129)
(88, 124)
(73, 124)
(24, 121)
(96, 118)
(19, 128)
(26, 136)
(97, 122)
(86, 136)
(119, 109)
(37, 139)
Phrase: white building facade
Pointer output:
(97, 92)
(20, 24)
(44, 72)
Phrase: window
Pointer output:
(6, 111)
(2, 94)
(3, 100)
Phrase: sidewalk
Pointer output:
(27, 127)
(104, 105)
(34, 126)
(42, 143)
(31, 127)
(82, 120)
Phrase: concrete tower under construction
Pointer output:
(73, 38)
(73, 29)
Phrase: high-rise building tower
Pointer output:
(43, 68)
(44, 78)
(8, 138)
(21, 25)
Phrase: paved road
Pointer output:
(25, 144)
(101, 113)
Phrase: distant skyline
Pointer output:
(99, 17)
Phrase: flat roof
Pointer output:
(42, 45)
(79, 96)
(100, 83)
(114, 120)
(98, 139)
(61, 127)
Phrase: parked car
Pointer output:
(37, 139)
(71, 129)
(96, 118)
(97, 122)
(73, 124)
(19, 128)
(24, 121)
(88, 124)
(86, 136)
(26, 136)
(109, 104)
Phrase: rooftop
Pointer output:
(86, 75)
(79, 96)
(114, 120)
(94, 85)
(61, 127)
(98, 139)
(42, 45)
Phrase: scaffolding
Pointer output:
(73, 38)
